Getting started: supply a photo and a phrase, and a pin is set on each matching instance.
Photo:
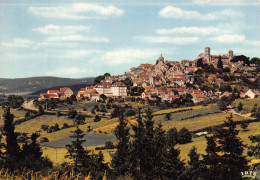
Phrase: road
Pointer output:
(29, 105)
(231, 110)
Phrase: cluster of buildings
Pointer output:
(108, 89)
(63, 93)
(213, 59)
(165, 79)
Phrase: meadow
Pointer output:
(193, 118)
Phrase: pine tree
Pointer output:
(120, 162)
(172, 137)
(196, 167)
(137, 150)
(240, 107)
(160, 150)
(230, 151)
(255, 149)
(77, 153)
(12, 147)
(220, 64)
(211, 159)
(149, 148)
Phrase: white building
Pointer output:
(119, 89)
(116, 89)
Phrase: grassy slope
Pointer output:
(17, 115)
(247, 103)
(35, 124)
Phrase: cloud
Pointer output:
(51, 29)
(170, 40)
(171, 12)
(226, 2)
(77, 11)
(78, 38)
(128, 56)
(193, 30)
(228, 38)
(21, 43)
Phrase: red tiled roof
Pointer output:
(200, 95)
(103, 85)
(119, 84)
(53, 91)
(63, 89)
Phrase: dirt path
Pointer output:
(231, 110)
(29, 105)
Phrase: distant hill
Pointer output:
(34, 84)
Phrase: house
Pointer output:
(198, 97)
(63, 93)
(44, 96)
(251, 93)
(95, 97)
(116, 89)
(66, 92)
(119, 89)
(104, 88)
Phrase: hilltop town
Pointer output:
(207, 77)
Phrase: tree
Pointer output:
(167, 116)
(107, 74)
(254, 150)
(79, 119)
(97, 118)
(240, 106)
(244, 126)
(72, 113)
(120, 161)
(172, 137)
(241, 58)
(220, 64)
(223, 102)
(40, 110)
(77, 153)
(200, 62)
(130, 112)
(184, 136)
(231, 160)
(103, 96)
(12, 147)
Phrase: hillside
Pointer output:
(34, 84)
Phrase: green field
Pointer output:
(247, 103)
(208, 116)
(18, 114)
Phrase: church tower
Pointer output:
(207, 54)
(230, 54)
(161, 59)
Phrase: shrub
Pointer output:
(72, 113)
(65, 126)
(22, 138)
(44, 127)
(58, 113)
(97, 118)
(44, 139)
(184, 136)
(130, 112)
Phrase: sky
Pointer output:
(76, 39)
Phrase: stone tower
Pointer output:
(161, 59)
(207, 54)
(230, 54)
